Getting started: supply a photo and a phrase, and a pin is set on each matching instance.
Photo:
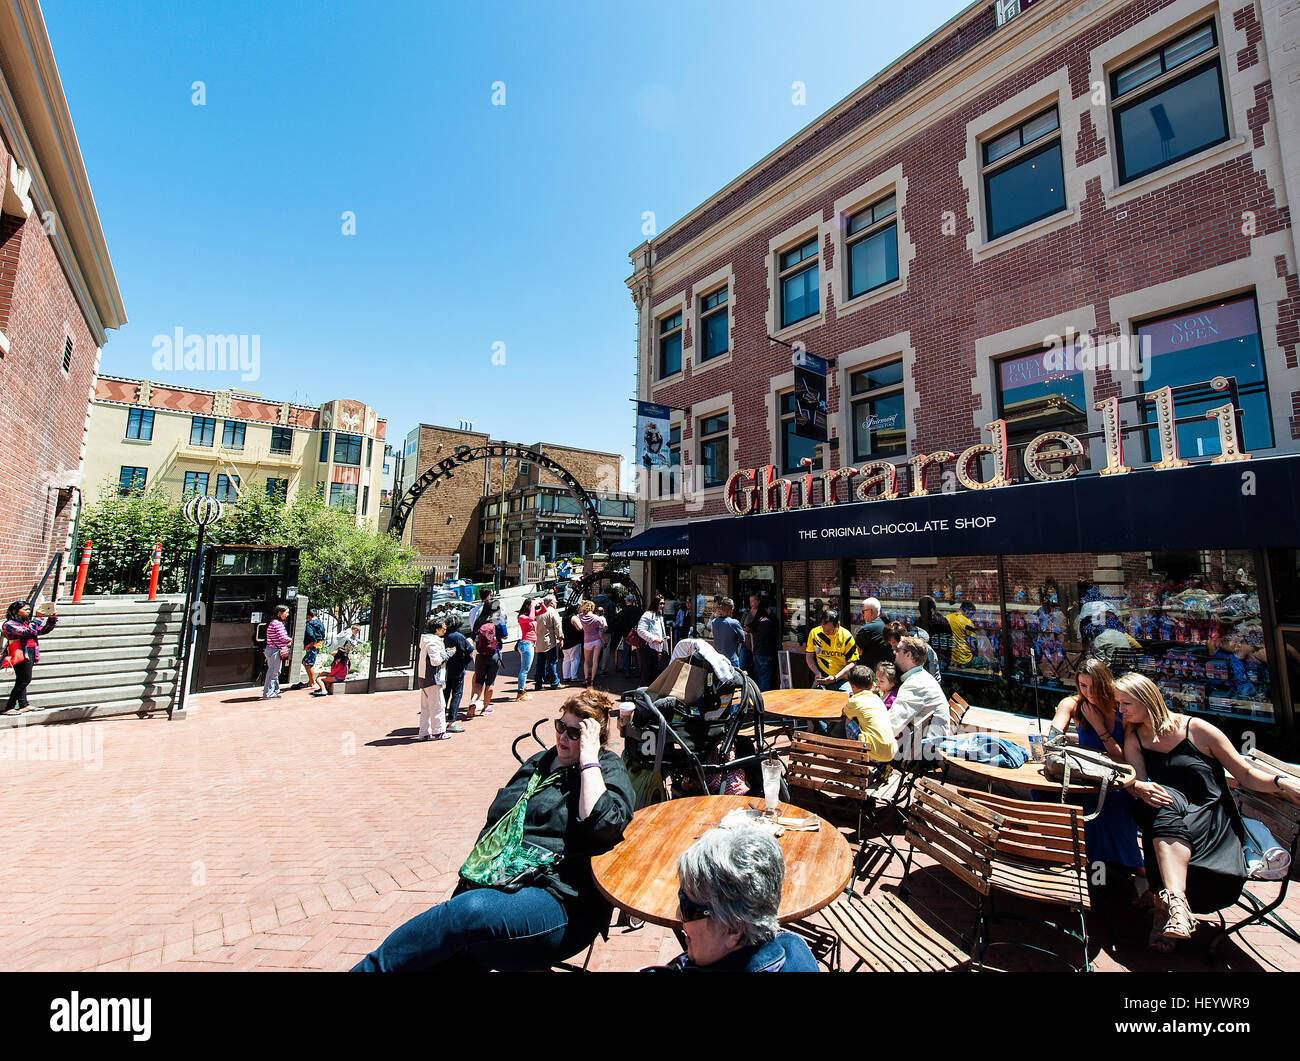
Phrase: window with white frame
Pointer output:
(879, 412)
(670, 345)
(667, 479)
(714, 338)
(797, 273)
(1169, 104)
(1024, 180)
(715, 448)
(871, 245)
(793, 447)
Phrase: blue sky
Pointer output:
(475, 224)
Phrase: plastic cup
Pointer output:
(772, 784)
(1036, 747)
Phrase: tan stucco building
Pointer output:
(227, 442)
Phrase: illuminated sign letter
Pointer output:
(881, 472)
(1034, 454)
(1164, 403)
(828, 483)
(1109, 410)
(922, 461)
(1229, 447)
(997, 449)
(767, 484)
(740, 498)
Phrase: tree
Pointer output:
(124, 530)
(342, 564)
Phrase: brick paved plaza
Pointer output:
(294, 835)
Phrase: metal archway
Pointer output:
(445, 468)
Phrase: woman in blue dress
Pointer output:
(1111, 837)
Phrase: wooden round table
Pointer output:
(639, 875)
(1030, 775)
(807, 704)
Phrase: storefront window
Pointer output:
(823, 591)
(794, 609)
(966, 624)
(712, 582)
(1193, 347)
(1189, 620)
(673, 581)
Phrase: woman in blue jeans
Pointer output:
(527, 645)
(579, 809)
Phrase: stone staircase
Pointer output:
(107, 656)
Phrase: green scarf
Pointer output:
(502, 859)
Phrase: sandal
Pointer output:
(1157, 941)
(1180, 924)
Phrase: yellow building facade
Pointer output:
(226, 443)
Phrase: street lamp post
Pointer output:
(201, 511)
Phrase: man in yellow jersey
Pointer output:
(830, 652)
(961, 624)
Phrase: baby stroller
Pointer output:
(684, 737)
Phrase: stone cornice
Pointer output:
(38, 128)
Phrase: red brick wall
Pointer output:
(42, 408)
(1184, 227)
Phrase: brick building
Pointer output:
(223, 443)
(1027, 215)
(58, 299)
(462, 514)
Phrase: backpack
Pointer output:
(485, 641)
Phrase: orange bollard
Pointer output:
(82, 568)
(153, 575)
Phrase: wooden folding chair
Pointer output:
(1040, 856)
(885, 933)
(1282, 819)
(956, 710)
(845, 771)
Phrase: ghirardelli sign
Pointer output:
(754, 490)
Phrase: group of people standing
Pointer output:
(279, 646)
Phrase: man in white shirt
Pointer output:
(654, 641)
(918, 693)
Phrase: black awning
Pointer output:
(657, 543)
(1246, 504)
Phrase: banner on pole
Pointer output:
(652, 435)
(809, 396)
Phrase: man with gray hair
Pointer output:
(871, 638)
(550, 637)
(730, 891)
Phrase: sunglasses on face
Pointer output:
(572, 732)
(691, 910)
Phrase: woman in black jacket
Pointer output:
(579, 809)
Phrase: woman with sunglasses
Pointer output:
(730, 890)
(581, 800)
